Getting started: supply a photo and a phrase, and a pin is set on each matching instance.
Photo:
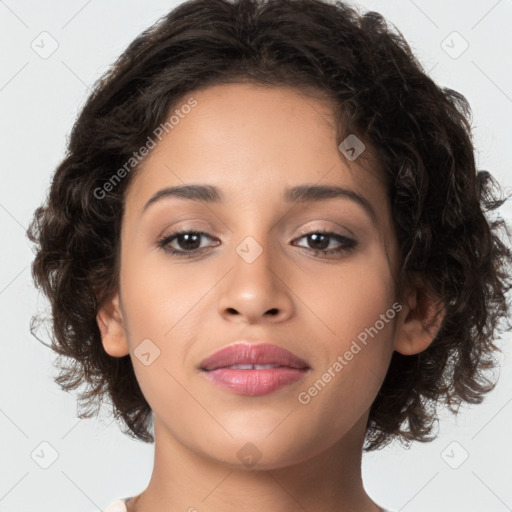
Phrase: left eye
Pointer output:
(320, 241)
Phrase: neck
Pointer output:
(185, 480)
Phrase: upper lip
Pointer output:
(248, 353)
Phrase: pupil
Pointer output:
(322, 245)
(187, 237)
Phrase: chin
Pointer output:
(259, 452)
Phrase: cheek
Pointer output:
(160, 296)
(358, 311)
(349, 297)
(163, 304)
(343, 388)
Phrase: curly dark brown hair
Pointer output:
(421, 134)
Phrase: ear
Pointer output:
(424, 314)
(112, 329)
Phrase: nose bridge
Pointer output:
(254, 287)
(254, 238)
(254, 264)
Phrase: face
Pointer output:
(310, 274)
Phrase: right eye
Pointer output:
(190, 242)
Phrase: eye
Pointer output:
(320, 240)
(188, 242)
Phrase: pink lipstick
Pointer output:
(253, 370)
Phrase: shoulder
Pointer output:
(117, 506)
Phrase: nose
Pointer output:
(256, 291)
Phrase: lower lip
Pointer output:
(254, 382)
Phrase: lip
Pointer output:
(253, 382)
(249, 353)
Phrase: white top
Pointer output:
(120, 506)
(117, 506)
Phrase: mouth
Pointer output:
(252, 367)
(249, 356)
(253, 370)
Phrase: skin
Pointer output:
(252, 143)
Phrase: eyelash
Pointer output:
(163, 243)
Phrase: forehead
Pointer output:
(251, 140)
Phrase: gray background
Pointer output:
(40, 98)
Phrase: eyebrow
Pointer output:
(297, 194)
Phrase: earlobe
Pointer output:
(423, 317)
(112, 329)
